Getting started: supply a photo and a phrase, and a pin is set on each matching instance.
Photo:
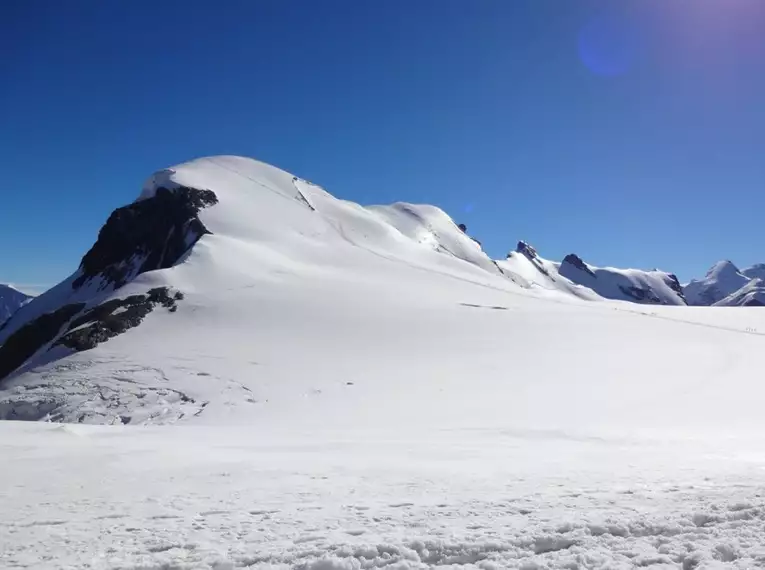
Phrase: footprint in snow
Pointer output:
(358, 532)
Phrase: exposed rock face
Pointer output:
(674, 284)
(22, 344)
(85, 330)
(640, 295)
(150, 234)
(146, 235)
(114, 317)
(578, 262)
(526, 249)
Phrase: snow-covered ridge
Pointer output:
(575, 277)
(207, 226)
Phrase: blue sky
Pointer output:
(629, 132)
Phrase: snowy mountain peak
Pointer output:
(722, 279)
(722, 270)
(577, 262)
(526, 249)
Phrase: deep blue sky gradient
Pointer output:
(629, 132)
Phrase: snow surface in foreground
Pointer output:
(188, 497)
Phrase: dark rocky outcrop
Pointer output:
(464, 230)
(23, 343)
(674, 284)
(86, 329)
(146, 235)
(526, 249)
(640, 295)
(576, 261)
(114, 317)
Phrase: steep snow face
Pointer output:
(722, 280)
(10, 301)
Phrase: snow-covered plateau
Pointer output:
(290, 380)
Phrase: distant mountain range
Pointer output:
(725, 285)
(10, 301)
(576, 277)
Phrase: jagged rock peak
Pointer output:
(578, 262)
(526, 249)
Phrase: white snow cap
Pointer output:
(722, 279)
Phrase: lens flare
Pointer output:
(608, 45)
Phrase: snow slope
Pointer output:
(756, 271)
(750, 295)
(10, 301)
(363, 387)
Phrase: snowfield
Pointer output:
(354, 387)
(187, 497)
